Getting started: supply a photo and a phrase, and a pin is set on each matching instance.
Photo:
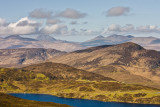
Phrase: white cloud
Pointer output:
(52, 21)
(148, 29)
(118, 28)
(3, 22)
(24, 22)
(55, 29)
(22, 27)
(129, 28)
(118, 11)
(85, 23)
(71, 13)
(74, 22)
(40, 13)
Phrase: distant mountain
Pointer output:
(45, 38)
(147, 42)
(19, 38)
(42, 41)
(46, 41)
(144, 40)
(110, 40)
(119, 38)
(127, 62)
(25, 56)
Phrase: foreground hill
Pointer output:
(57, 71)
(127, 62)
(11, 101)
(65, 81)
(25, 56)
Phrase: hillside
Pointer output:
(47, 78)
(58, 71)
(10, 101)
(127, 62)
(25, 56)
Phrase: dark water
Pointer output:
(76, 102)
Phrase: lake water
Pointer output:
(76, 102)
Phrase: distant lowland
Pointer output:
(116, 68)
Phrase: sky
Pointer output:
(79, 20)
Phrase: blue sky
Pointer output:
(79, 20)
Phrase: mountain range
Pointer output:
(147, 42)
(42, 41)
(46, 41)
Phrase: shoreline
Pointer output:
(81, 99)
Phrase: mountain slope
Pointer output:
(47, 78)
(127, 62)
(25, 56)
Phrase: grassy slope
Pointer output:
(11, 101)
(48, 78)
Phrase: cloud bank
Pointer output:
(51, 24)
(22, 27)
(129, 28)
(26, 26)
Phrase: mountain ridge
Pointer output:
(128, 59)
